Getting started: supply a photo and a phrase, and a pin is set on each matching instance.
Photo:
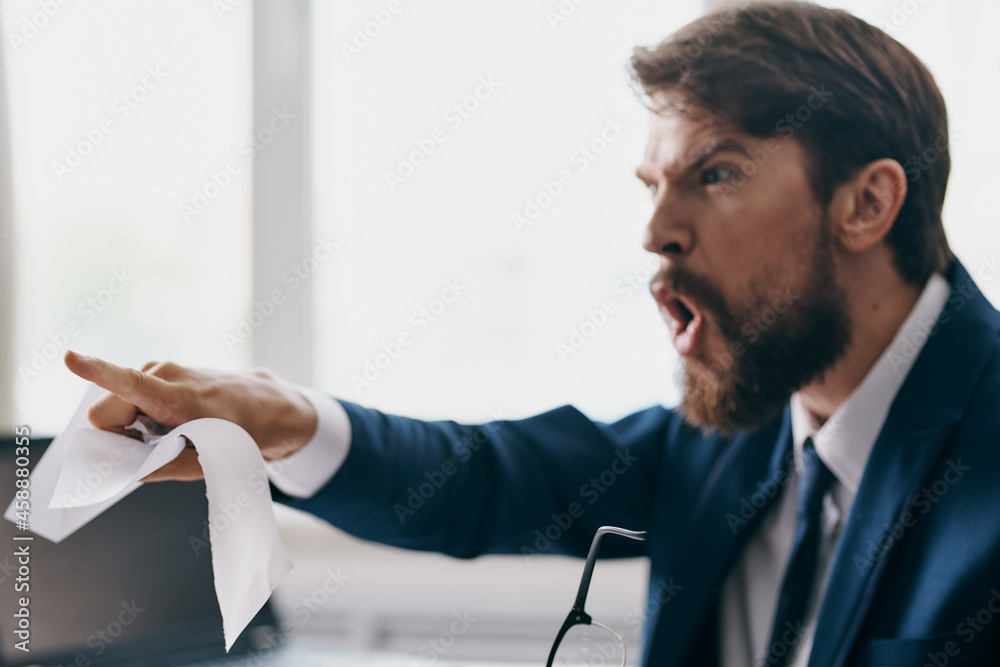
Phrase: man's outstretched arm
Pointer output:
(542, 484)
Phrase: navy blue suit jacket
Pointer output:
(916, 578)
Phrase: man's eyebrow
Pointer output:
(713, 147)
(702, 156)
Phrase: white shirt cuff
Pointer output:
(306, 471)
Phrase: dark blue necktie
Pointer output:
(797, 585)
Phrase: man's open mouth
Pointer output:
(685, 320)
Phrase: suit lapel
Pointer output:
(923, 416)
(723, 520)
(903, 459)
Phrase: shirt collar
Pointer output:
(846, 440)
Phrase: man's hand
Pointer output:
(279, 419)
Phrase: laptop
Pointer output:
(133, 587)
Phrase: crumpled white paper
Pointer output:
(85, 471)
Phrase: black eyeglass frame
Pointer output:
(577, 615)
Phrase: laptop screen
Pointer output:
(133, 584)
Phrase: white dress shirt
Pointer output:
(750, 593)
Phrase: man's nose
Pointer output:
(667, 233)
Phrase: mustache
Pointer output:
(700, 289)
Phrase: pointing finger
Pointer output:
(155, 397)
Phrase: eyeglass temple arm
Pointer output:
(588, 569)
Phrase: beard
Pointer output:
(768, 354)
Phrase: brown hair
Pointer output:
(755, 66)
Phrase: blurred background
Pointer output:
(307, 185)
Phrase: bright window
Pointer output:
(483, 154)
(120, 114)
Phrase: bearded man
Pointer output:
(826, 492)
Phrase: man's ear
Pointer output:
(865, 207)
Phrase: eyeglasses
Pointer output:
(582, 642)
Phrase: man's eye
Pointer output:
(717, 175)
